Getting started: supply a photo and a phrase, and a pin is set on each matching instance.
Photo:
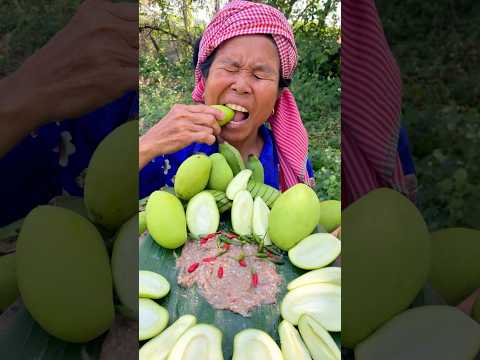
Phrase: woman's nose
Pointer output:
(241, 83)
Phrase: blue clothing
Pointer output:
(404, 152)
(52, 160)
(161, 170)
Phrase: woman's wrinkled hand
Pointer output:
(182, 126)
(90, 62)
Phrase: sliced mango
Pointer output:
(200, 342)
(160, 346)
(320, 301)
(242, 213)
(315, 251)
(238, 183)
(152, 320)
(255, 344)
(293, 348)
(261, 212)
(331, 275)
(318, 340)
(202, 214)
(152, 285)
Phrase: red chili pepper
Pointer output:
(242, 263)
(254, 279)
(205, 239)
(193, 267)
(220, 272)
(226, 246)
(209, 259)
(231, 236)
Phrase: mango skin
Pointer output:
(221, 174)
(330, 214)
(8, 281)
(455, 271)
(192, 176)
(166, 220)
(227, 112)
(111, 183)
(64, 275)
(386, 245)
(294, 216)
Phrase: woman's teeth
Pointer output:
(237, 107)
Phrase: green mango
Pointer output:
(426, 332)
(330, 214)
(64, 275)
(221, 174)
(455, 271)
(386, 245)
(124, 261)
(294, 216)
(192, 176)
(111, 183)
(166, 221)
(8, 281)
(227, 112)
(142, 222)
(255, 344)
(201, 342)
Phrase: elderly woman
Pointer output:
(246, 59)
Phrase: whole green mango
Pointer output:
(192, 176)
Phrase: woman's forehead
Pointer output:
(252, 49)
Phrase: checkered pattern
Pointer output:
(245, 18)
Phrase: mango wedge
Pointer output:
(318, 340)
(255, 344)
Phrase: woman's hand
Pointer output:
(182, 126)
(90, 62)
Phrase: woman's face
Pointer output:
(245, 72)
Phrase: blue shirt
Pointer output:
(53, 160)
(161, 170)
(404, 153)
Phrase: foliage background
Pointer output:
(437, 46)
(168, 31)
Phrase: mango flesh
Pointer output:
(330, 214)
(221, 174)
(294, 216)
(124, 261)
(166, 220)
(255, 344)
(293, 348)
(319, 342)
(200, 342)
(455, 271)
(227, 113)
(386, 245)
(437, 332)
(8, 281)
(142, 222)
(192, 176)
(63, 274)
(111, 183)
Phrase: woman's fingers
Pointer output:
(207, 120)
(202, 134)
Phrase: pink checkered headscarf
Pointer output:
(245, 18)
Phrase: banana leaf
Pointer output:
(181, 301)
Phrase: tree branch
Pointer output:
(169, 33)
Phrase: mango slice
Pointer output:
(238, 183)
(153, 318)
(160, 346)
(200, 342)
(255, 344)
(227, 112)
(152, 285)
(318, 340)
(331, 275)
(203, 216)
(242, 213)
(261, 213)
(293, 348)
(321, 301)
(315, 251)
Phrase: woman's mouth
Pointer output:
(241, 115)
